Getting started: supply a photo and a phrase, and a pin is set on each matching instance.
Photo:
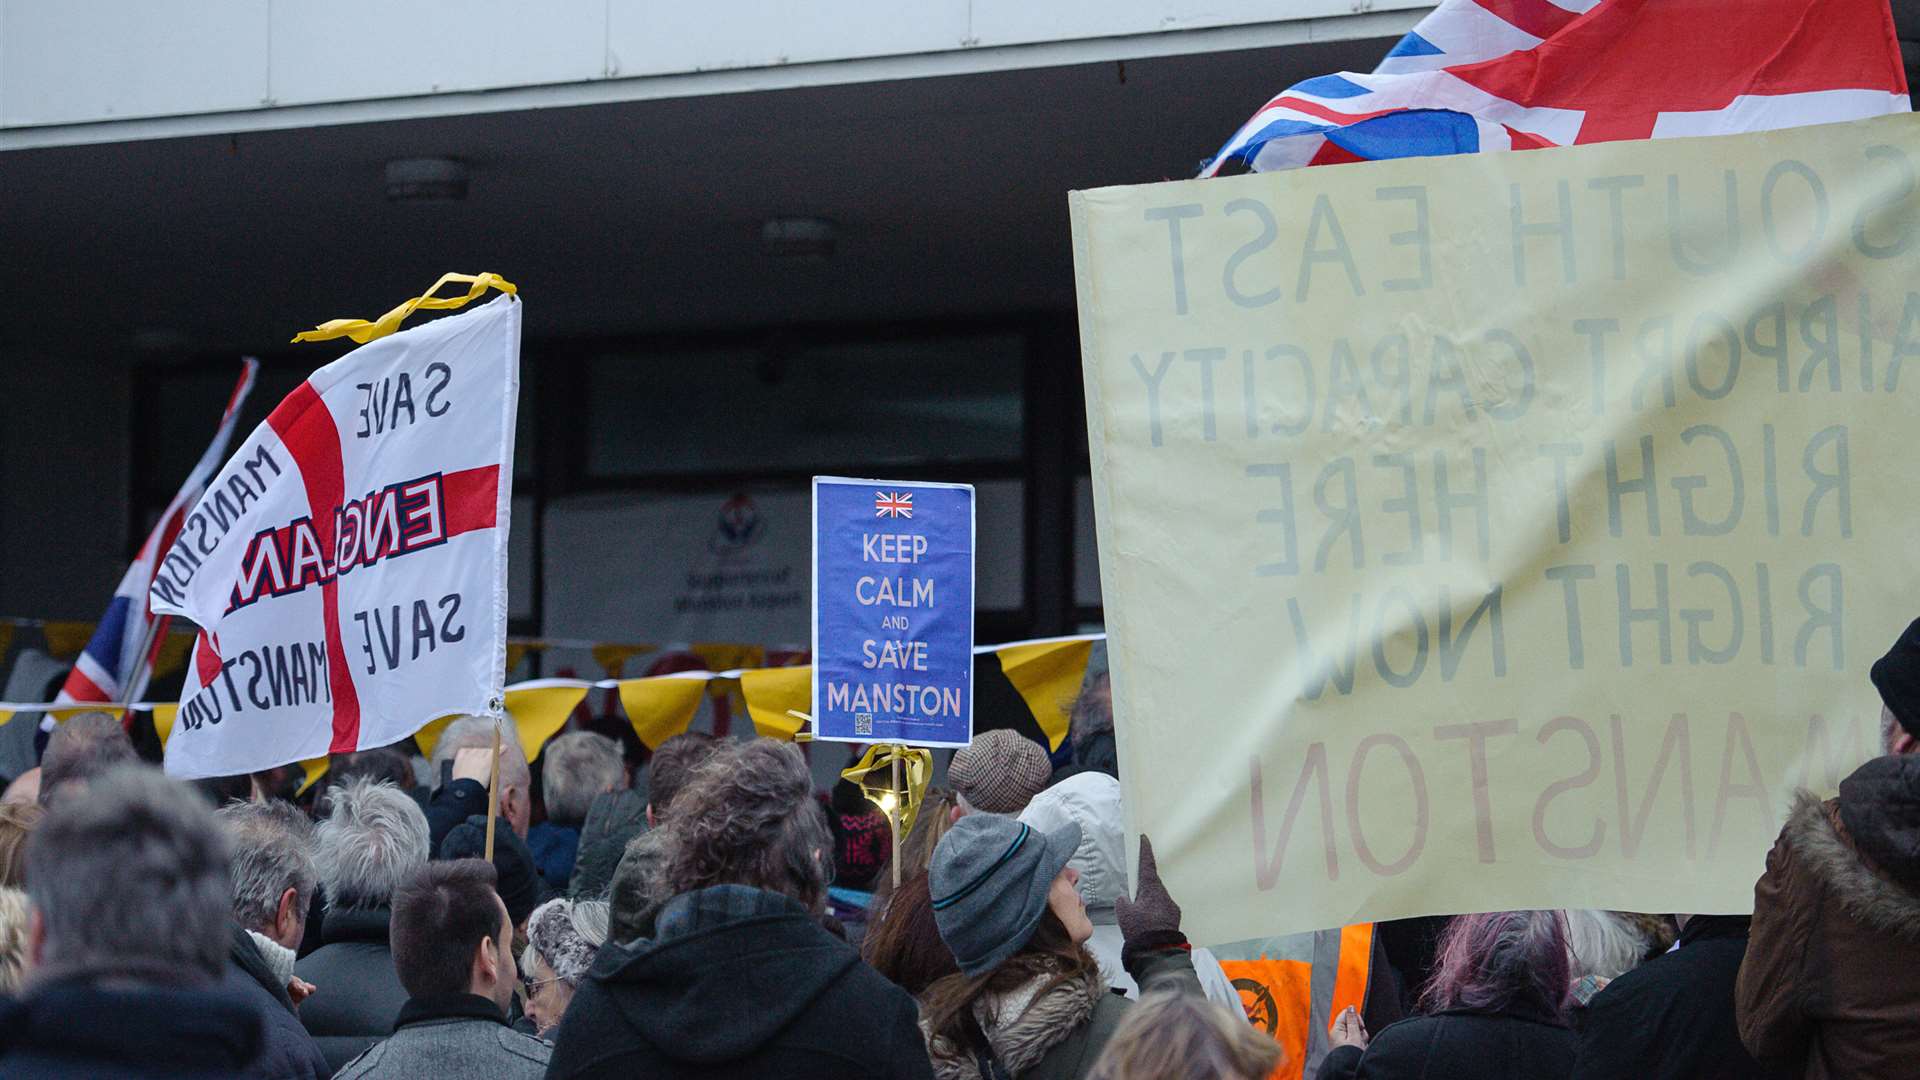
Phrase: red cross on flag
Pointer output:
(348, 566)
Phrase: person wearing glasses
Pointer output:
(563, 937)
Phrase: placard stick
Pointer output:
(893, 815)
(493, 789)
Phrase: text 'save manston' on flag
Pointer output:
(1501, 530)
(348, 566)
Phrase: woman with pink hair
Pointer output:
(1495, 1009)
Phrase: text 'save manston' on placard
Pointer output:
(892, 612)
(1501, 531)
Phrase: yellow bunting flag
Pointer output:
(163, 716)
(173, 653)
(613, 657)
(362, 331)
(66, 639)
(540, 710)
(315, 769)
(61, 716)
(771, 692)
(1048, 676)
(518, 650)
(427, 736)
(660, 708)
(726, 656)
(5, 716)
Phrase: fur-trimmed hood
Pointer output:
(1022, 1025)
(1839, 842)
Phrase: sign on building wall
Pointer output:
(1506, 530)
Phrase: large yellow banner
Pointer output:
(1508, 530)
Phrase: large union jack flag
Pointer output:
(1521, 74)
(112, 668)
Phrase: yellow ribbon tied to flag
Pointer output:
(362, 331)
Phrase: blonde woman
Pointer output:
(1170, 1036)
(13, 939)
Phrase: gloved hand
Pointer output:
(1151, 913)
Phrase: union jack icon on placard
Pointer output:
(893, 504)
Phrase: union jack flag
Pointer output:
(112, 668)
(892, 504)
(1480, 75)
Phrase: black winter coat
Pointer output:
(73, 1029)
(738, 983)
(287, 1051)
(1519, 1044)
(1672, 1017)
(357, 992)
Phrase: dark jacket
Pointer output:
(357, 992)
(1831, 982)
(1517, 1044)
(287, 1051)
(554, 848)
(452, 1035)
(452, 804)
(615, 818)
(74, 1029)
(737, 982)
(1672, 1017)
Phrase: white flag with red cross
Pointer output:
(348, 566)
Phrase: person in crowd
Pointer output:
(463, 755)
(1495, 1009)
(736, 977)
(382, 763)
(24, 788)
(1671, 1018)
(936, 816)
(127, 938)
(997, 773)
(1091, 801)
(13, 939)
(1090, 729)
(1170, 1036)
(452, 947)
(574, 769)
(638, 888)
(83, 746)
(862, 844)
(271, 868)
(563, 937)
(904, 943)
(672, 767)
(1029, 1000)
(517, 879)
(374, 839)
(1830, 984)
(614, 820)
(1602, 945)
(17, 822)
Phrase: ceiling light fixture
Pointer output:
(426, 179)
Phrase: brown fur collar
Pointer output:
(1023, 1025)
(1865, 896)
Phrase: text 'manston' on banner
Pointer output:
(348, 566)
(892, 612)
(1501, 531)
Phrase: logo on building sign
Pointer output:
(892, 504)
(739, 526)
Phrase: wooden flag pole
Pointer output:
(493, 790)
(893, 815)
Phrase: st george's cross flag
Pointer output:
(348, 566)
(1481, 75)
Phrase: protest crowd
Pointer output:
(732, 921)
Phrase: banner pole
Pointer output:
(893, 815)
(493, 790)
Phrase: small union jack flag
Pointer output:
(892, 504)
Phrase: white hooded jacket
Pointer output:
(1092, 800)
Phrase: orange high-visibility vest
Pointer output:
(1293, 986)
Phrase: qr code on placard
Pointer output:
(863, 723)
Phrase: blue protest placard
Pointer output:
(892, 612)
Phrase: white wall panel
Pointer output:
(75, 61)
